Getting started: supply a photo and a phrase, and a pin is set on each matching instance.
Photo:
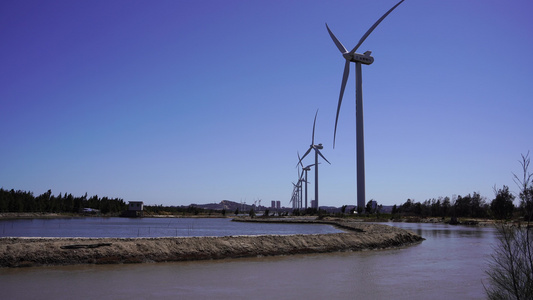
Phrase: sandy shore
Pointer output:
(21, 252)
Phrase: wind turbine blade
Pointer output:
(374, 27)
(339, 45)
(343, 86)
(299, 160)
(322, 155)
(314, 123)
(309, 150)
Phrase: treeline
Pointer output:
(180, 210)
(469, 206)
(473, 206)
(22, 201)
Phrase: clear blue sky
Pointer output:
(179, 102)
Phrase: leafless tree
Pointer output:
(525, 184)
(511, 267)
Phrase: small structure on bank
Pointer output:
(135, 209)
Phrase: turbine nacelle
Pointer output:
(319, 146)
(364, 58)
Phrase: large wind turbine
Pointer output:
(317, 149)
(358, 59)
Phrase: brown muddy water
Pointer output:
(449, 264)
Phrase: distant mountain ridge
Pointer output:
(229, 205)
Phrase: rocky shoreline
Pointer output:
(27, 252)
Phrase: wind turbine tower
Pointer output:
(305, 170)
(358, 59)
(304, 176)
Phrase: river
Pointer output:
(149, 227)
(449, 264)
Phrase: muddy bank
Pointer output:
(20, 252)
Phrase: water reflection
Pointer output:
(150, 227)
(438, 229)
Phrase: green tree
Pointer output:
(436, 209)
(104, 205)
(368, 208)
(446, 206)
(407, 207)
(479, 207)
(502, 206)
(68, 203)
(16, 203)
(462, 206)
(417, 209)
(359, 210)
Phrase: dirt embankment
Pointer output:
(19, 252)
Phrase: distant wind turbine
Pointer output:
(296, 198)
(305, 170)
(317, 149)
(296, 195)
(297, 192)
(358, 59)
(304, 178)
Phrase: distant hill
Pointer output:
(229, 205)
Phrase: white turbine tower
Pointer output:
(358, 59)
